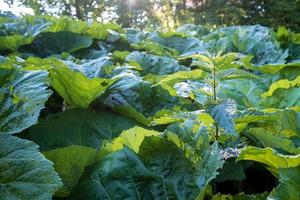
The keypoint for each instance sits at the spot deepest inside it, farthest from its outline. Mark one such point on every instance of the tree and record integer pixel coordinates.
(170, 14)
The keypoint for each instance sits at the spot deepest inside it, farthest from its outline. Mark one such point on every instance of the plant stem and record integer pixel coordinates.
(215, 97)
(214, 84)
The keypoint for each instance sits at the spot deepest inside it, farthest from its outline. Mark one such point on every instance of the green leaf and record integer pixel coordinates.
(223, 114)
(283, 98)
(154, 48)
(70, 163)
(102, 67)
(159, 171)
(289, 187)
(136, 98)
(279, 122)
(218, 62)
(168, 117)
(77, 90)
(245, 92)
(233, 73)
(253, 115)
(271, 68)
(131, 138)
(153, 64)
(101, 31)
(195, 144)
(178, 41)
(20, 32)
(64, 23)
(275, 141)
(25, 172)
(287, 122)
(255, 40)
(226, 61)
(77, 127)
(50, 43)
(168, 162)
(120, 56)
(133, 113)
(93, 30)
(208, 166)
(269, 157)
(168, 81)
(282, 84)
(193, 30)
(181, 76)
(119, 175)
(22, 97)
(13, 42)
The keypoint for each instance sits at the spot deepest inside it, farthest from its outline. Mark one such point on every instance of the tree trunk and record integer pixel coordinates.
(78, 11)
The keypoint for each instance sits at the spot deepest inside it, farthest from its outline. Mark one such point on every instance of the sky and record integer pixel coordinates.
(16, 8)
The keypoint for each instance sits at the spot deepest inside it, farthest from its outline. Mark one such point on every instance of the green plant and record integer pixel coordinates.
(219, 68)
(93, 111)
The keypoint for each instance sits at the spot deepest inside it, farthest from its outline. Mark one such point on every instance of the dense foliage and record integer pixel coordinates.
(94, 111)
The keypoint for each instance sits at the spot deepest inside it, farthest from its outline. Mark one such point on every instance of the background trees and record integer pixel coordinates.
(173, 13)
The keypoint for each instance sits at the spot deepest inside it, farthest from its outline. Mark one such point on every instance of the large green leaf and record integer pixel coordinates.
(269, 157)
(77, 89)
(223, 114)
(246, 92)
(168, 117)
(271, 68)
(65, 23)
(77, 127)
(159, 171)
(215, 63)
(51, 43)
(131, 138)
(179, 177)
(184, 45)
(283, 98)
(234, 73)
(154, 48)
(20, 32)
(96, 68)
(133, 113)
(282, 84)
(193, 30)
(101, 31)
(120, 175)
(25, 172)
(195, 144)
(276, 141)
(168, 81)
(22, 97)
(289, 187)
(70, 163)
(253, 115)
(255, 40)
(155, 64)
(273, 128)
(132, 95)
(181, 76)
(280, 122)
(94, 30)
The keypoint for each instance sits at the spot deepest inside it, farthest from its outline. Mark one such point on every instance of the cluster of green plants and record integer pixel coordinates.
(94, 111)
